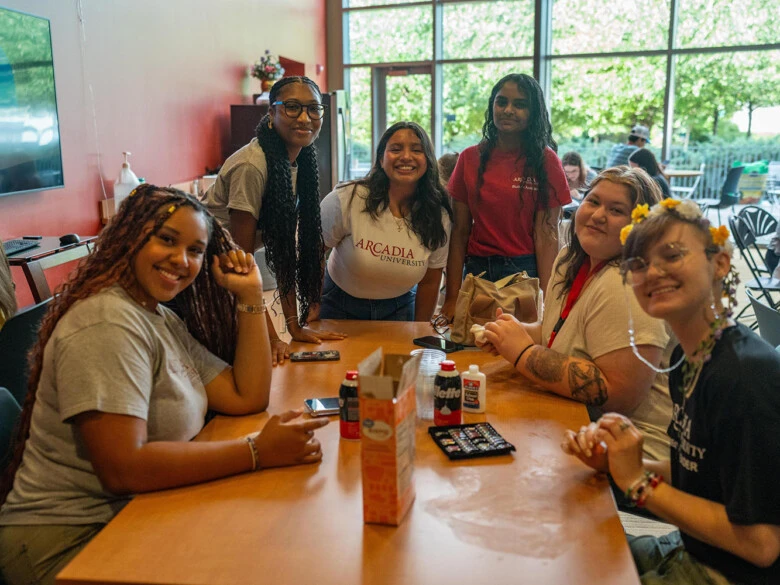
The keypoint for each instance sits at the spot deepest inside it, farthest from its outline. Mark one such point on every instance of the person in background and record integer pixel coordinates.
(508, 191)
(446, 165)
(7, 289)
(645, 160)
(720, 486)
(578, 174)
(118, 386)
(638, 138)
(773, 250)
(267, 193)
(388, 234)
(580, 349)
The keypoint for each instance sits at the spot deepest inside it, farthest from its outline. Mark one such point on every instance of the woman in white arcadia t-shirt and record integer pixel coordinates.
(389, 234)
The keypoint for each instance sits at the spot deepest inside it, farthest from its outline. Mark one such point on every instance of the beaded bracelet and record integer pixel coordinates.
(253, 450)
(641, 489)
(255, 309)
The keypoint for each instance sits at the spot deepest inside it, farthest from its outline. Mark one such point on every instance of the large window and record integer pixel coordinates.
(694, 71)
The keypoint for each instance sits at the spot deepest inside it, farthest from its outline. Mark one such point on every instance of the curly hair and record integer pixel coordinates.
(429, 198)
(7, 294)
(301, 265)
(641, 190)
(207, 309)
(535, 138)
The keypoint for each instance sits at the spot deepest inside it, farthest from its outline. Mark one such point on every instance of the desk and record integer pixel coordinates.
(538, 516)
(47, 255)
(681, 173)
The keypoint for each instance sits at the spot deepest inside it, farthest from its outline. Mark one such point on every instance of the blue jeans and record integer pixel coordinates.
(664, 561)
(337, 304)
(497, 267)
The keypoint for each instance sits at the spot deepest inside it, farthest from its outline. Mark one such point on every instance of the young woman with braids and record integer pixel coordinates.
(388, 233)
(507, 192)
(268, 191)
(580, 348)
(720, 484)
(118, 386)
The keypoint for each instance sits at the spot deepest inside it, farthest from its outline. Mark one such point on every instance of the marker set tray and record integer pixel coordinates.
(470, 441)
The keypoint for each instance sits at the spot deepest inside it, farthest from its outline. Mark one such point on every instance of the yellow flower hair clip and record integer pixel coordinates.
(624, 233)
(639, 213)
(669, 203)
(720, 235)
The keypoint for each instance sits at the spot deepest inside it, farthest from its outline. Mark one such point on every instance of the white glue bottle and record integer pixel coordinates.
(474, 390)
(125, 183)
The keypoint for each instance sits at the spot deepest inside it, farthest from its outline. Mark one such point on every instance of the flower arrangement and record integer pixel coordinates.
(267, 67)
(685, 209)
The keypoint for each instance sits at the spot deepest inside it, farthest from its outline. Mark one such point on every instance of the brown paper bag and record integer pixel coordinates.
(516, 294)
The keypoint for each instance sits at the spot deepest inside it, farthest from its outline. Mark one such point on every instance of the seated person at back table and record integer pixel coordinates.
(645, 160)
(638, 138)
(7, 289)
(578, 174)
(388, 234)
(119, 387)
(586, 354)
(446, 164)
(720, 486)
(270, 188)
(507, 191)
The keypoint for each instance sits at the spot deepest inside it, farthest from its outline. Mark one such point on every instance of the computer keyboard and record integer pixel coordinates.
(14, 246)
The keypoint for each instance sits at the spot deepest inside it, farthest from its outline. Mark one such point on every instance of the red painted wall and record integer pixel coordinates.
(155, 77)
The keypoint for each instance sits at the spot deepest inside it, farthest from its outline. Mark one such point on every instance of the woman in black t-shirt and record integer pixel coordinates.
(720, 487)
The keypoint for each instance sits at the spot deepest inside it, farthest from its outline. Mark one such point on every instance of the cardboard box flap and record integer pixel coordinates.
(382, 377)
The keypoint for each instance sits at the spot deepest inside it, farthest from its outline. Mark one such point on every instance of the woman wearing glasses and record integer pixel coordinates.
(720, 486)
(268, 191)
(580, 349)
(388, 233)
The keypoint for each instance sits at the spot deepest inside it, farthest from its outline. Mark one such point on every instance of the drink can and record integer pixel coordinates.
(349, 407)
(447, 396)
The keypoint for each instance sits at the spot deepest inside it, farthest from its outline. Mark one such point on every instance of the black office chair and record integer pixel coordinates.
(16, 338)
(729, 194)
(9, 416)
(768, 320)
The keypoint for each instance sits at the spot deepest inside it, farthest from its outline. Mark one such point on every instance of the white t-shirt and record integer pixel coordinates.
(374, 259)
(598, 325)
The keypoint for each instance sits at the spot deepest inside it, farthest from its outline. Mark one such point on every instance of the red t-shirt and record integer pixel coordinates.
(503, 221)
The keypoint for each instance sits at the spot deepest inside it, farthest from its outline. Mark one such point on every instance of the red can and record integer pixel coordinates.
(349, 407)
(447, 396)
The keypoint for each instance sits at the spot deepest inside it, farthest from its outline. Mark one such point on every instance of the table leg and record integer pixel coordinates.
(37, 281)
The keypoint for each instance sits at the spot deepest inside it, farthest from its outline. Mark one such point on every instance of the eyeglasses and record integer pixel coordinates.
(440, 324)
(293, 109)
(670, 257)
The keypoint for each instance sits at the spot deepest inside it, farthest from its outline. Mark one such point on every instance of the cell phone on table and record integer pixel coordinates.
(433, 342)
(330, 355)
(322, 406)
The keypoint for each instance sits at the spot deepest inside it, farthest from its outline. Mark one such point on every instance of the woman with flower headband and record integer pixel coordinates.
(720, 486)
(580, 349)
(267, 194)
(119, 385)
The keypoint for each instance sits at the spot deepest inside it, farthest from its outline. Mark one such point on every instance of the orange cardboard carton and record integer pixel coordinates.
(387, 427)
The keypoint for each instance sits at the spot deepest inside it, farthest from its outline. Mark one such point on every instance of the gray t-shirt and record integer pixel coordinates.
(107, 354)
(240, 185)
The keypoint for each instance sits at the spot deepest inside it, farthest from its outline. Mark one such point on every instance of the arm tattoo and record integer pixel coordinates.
(548, 366)
(586, 384)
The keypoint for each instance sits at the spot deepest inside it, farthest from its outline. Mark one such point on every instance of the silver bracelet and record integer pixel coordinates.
(251, 308)
(253, 450)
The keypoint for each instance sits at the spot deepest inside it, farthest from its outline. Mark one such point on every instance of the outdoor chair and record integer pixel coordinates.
(773, 182)
(762, 280)
(688, 192)
(768, 320)
(729, 194)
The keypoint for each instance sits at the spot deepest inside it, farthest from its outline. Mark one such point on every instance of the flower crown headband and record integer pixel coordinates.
(685, 209)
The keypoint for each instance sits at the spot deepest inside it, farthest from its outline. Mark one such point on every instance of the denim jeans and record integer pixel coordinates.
(664, 561)
(337, 304)
(497, 267)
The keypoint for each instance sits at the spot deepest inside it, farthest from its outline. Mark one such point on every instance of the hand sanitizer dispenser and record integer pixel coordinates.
(125, 183)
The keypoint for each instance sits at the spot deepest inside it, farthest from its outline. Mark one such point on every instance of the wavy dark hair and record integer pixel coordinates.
(642, 189)
(645, 160)
(535, 138)
(207, 308)
(429, 198)
(298, 265)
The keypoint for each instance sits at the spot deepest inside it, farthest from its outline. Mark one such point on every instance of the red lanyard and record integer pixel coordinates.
(574, 294)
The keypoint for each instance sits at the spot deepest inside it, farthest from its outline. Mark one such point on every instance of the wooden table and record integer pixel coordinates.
(682, 173)
(535, 517)
(48, 254)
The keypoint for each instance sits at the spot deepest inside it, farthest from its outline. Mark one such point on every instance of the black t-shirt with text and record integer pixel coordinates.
(726, 443)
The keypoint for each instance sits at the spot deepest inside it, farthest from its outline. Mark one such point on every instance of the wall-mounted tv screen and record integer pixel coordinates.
(30, 153)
